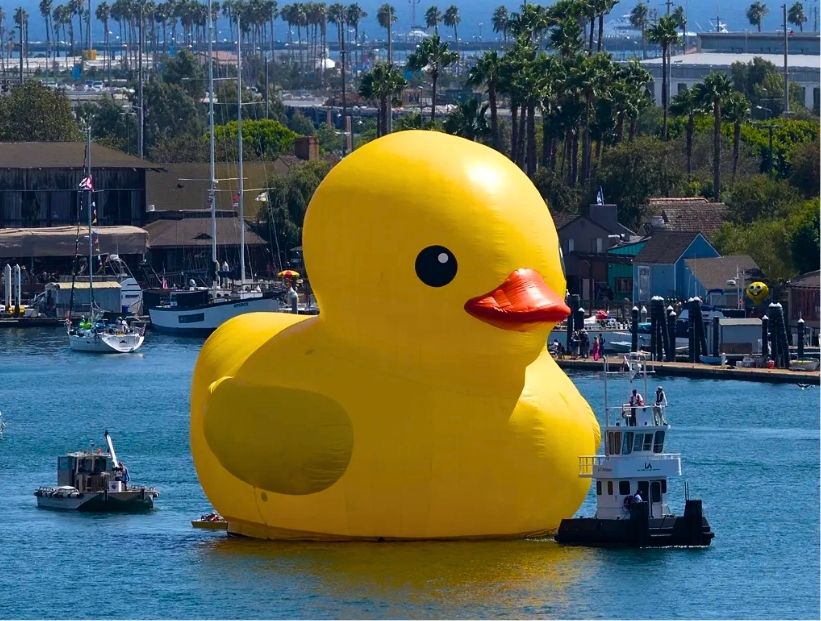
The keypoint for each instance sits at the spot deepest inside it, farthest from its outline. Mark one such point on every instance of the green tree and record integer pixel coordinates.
(386, 16)
(680, 18)
(500, 22)
(713, 92)
(433, 56)
(804, 167)
(169, 110)
(737, 111)
(486, 72)
(382, 85)
(756, 12)
(109, 125)
(30, 112)
(185, 71)
(796, 16)
(639, 18)
(452, 20)
(432, 18)
(802, 236)
(468, 119)
(288, 198)
(665, 33)
(263, 139)
(687, 104)
(766, 241)
(761, 197)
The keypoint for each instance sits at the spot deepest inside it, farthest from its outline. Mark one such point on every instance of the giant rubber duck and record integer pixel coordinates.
(421, 402)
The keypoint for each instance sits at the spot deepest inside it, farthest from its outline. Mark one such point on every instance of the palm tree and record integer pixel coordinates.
(45, 12)
(433, 55)
(604, 7)
(688, 104)
(736, 110)
(386, 16)
(353, 15)
(756, 13)
(665, 33)
(451, 19)
(382, 85)
(432, 18)
(21, 18)
(2, 40)
(713, 92)
(468, 119)
(796, 16)
(487, 71)
(500, 22)
(336, 15)
(638, 19)
(103, 14)
(680, 16)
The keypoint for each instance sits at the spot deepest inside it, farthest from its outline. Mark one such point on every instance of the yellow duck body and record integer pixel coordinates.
(421, 402)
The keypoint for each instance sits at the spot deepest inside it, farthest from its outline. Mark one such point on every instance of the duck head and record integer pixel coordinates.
(424, 242)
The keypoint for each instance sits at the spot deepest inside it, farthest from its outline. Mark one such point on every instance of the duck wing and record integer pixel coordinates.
(283, 440)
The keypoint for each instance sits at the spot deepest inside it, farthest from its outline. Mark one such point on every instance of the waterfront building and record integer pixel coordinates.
(720, 281)
(804, 301)
(758, 42)
(690, 69)
(692, 213)
(659, 267)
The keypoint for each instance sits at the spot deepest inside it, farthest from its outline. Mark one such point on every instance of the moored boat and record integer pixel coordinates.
(94, 481)
(210, 521)
(631, 479)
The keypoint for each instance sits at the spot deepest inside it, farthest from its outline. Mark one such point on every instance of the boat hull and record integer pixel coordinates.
(639, 531)
(204, 319)
(131, 501)
(100, 343)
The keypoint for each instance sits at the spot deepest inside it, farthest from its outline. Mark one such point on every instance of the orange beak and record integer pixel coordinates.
(521, 302)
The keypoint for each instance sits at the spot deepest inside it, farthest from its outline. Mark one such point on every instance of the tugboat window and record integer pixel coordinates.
(659, 444)
(648, 442)
(655, 488)
(627, 447)
(624, 488)
(617, 442)
(610, 488)
(637, 443)
(598, 488)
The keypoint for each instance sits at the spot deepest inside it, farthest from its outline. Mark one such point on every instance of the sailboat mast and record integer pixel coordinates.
(212, 188)
(239, 151)
(88, 191)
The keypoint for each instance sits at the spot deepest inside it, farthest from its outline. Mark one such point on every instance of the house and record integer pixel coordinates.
(803, 300)
(720, 281)
(39, 184)
(684, 214)
(585, 240)
(620, 273)
(180, 243)
(659, 267)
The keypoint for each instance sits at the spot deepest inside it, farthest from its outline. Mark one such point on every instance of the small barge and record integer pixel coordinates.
(94, 481)
(631, 478)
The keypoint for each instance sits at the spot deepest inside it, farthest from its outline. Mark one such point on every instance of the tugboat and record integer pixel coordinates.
(95, 481)
(631, 479)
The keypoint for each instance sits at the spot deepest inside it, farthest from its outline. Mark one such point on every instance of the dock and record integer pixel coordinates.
(707, 371)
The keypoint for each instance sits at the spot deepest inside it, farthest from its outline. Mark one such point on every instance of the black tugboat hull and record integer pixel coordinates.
(639, 531)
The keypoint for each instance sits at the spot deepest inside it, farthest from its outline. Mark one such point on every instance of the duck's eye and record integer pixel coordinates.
(436, 266)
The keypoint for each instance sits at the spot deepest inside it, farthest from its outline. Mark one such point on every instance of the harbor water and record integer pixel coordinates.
(750, 451)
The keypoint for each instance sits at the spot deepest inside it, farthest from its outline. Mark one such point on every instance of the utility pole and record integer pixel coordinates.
(241, 181)
(668, 3)
(141, 141)
(786, 73)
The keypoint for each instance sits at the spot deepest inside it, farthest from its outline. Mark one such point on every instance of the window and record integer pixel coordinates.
(624, 488)
(610, 488)
(598, 488)
(194, 318)
(599, 245)
(658, 446)
(637, 443)
(648, 442)
(624, 285)
(627, 447)
(614, 442)
(571, 245)
(655, 490)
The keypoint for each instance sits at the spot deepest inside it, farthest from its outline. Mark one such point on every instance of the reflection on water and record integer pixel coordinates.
(442, 577)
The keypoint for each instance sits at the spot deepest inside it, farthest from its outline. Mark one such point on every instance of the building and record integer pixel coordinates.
(620, 273)
(39, 185)
(721, 281)
(585, 240)
(758, 42)
(694, 213)
(690, 69)
(804, 299)
(659, 267)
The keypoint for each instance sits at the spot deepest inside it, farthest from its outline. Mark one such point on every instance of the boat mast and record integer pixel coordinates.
(212, 188)
(88, 189)
(241, 189)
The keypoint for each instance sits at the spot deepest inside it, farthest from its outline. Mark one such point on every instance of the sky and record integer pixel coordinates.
(476, 12)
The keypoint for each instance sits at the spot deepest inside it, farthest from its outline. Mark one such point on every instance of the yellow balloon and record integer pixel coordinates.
(421, 402)
(757, 291)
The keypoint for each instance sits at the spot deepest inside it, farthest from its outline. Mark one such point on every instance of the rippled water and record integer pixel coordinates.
(751, 451)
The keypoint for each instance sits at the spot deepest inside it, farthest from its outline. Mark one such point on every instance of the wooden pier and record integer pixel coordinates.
(706, 371)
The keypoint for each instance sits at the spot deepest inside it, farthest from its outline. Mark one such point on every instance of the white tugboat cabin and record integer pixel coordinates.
(631, 477)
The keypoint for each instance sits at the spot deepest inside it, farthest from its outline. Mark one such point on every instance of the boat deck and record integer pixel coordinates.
(707, 371)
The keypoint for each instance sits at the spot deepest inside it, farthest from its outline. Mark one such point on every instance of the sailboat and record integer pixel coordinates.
(199, 311)
(95, 334)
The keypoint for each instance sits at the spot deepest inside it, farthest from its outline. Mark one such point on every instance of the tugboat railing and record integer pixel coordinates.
(588, 462)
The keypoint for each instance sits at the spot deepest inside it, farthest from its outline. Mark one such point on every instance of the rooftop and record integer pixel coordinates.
(64, 155)
(196, 231)
(809, 280)
(665, 247)
(688, 214)
(714, 273)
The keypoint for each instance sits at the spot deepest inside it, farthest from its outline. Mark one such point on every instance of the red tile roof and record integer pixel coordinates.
(692, 213)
